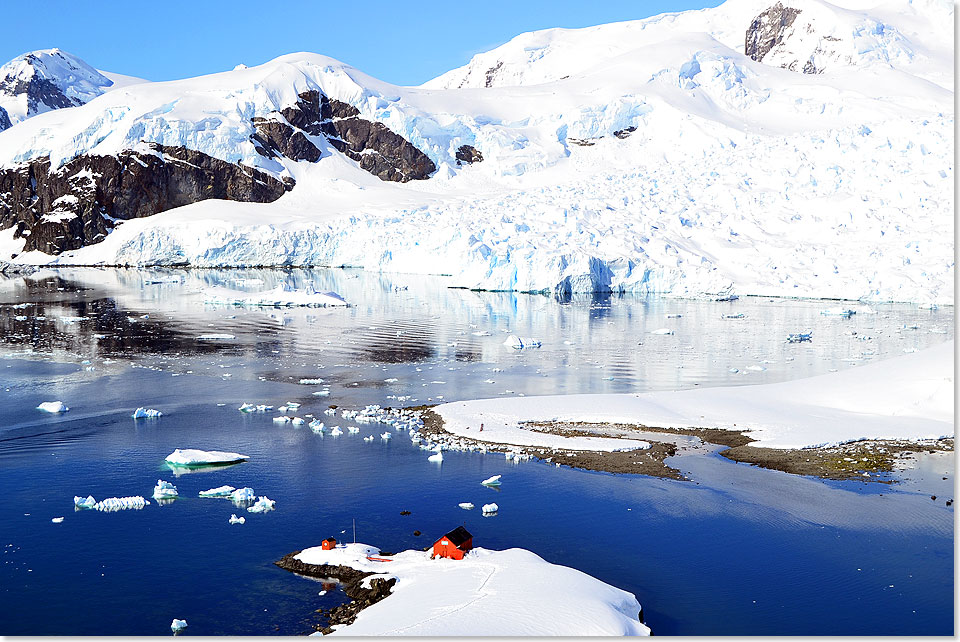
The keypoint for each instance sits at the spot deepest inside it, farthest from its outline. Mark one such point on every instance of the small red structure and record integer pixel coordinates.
(328, 544)
(454, 544)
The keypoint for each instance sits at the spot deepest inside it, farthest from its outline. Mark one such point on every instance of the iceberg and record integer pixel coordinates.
(57, 520)
(219, 491)
(335, 431)
(438, 457)
(53, 407)
(370, 438)
(281, 420)
(799, 337)
(237, 520)
(386, 435)
(263, 505)
(245, 494)
(84, 502)
(112, 504)
(353, 430)
(489, 509)
(280, 297)
(193, 457)
(297, 421)
(492, 481)
(838, 312)
(146, 413)
(465, 505)
(316, 426)
(164, 490)
(215, 336)
(662, 331)
(178, 625)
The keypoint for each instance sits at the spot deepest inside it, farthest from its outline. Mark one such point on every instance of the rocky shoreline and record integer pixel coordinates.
(362, 594)
(867, 461)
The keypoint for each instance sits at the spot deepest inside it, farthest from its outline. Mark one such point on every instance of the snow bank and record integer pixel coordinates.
(908, 397)
(512, 592)
(193, 457)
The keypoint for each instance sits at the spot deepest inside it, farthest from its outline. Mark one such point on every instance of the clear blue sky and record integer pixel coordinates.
(401, 42)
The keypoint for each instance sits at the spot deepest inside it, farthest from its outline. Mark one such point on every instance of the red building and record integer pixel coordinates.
(454, 544)
(328, 544)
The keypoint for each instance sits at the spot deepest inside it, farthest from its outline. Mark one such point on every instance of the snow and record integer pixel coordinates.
(146, 413)
(53, 407)
(740, 176)
(194, 457)
(487, 593)
(906, 397)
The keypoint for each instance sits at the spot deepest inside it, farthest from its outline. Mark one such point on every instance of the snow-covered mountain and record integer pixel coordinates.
(48, 79)
(798, 148)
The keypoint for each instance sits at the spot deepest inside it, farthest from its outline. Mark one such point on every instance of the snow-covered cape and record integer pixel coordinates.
(511, 592)
(659, 156)
(908, 397)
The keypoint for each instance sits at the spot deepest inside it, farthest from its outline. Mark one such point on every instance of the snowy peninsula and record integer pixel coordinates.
(511, 592)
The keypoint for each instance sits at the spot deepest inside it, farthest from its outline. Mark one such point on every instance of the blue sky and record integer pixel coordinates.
(403, 43)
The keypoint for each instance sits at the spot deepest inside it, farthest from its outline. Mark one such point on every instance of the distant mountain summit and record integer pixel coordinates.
(44, 80)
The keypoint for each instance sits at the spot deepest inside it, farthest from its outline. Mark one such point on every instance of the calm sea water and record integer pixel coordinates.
(739, 551)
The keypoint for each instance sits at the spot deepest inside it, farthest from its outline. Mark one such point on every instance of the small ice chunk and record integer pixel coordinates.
(56, 520)
(311, 382)
(263, 505)
(513, 341)
(281, 420)
(386, 435)
(490, 509)
(438, 457)
(194, 457)
(219, 491)
(335, 431)
(216, 336)
(164, 489)
(316, 425)
(492, 481)
(237, 520)
(330, 412)
(293, 405)
(662, 331)
(111, 504)
(53, 406)
(178, 625)
(297, 421)
(84, 502)
(465, 505)
(391, 380)
(146, 413)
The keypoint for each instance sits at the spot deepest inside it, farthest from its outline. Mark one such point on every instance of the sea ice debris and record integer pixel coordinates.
(56, 520)
(53, 406)
(146, 413)
(438, 457)
(84, 502)
(237, 520)
(219, 491)
(263, 505)
(489, 509)
(465, 505)
(194, 457)
(178, 625)
(164, 489)
(492, 481)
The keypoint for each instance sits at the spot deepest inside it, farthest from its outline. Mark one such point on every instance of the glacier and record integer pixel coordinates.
(651, 156)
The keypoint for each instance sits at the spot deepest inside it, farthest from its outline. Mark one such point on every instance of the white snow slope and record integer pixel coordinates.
(511, 592)
(740, 176)
(908, 397)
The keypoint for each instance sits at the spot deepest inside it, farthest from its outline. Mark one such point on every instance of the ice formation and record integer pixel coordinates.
(262, 505)
(194, 457)
(146, 413)
(53, 407)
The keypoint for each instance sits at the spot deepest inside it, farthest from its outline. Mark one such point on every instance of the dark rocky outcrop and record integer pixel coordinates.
(768, 30)
(376, 148)
(468, 154)
(80, 202)
(4, 119)
(350, 579)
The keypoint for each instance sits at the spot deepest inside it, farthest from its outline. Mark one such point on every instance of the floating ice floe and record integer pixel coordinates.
(353, 430)
(146, 413)
(178, 625)
(489, 509)
(386, 435)
(237, 520)
(215, 336)
(739, 315)
(330, 411)
(335, 431)
(249, 407)
(292, 405)
(311, 382)
(245, 494)
(164, 490)
(838, 312)
(297, 421)
(465, 505)
(57, 520)
(194, 457)
(799, 337)
(84, 502)
(662, 331)
(492, 481)
(515, 342)
(321, 393)
(283, 296)
(438, 457)
(53, 406)
(219, 491)
(112, 504)
(316, 426)
(281, 420)
(263, 505)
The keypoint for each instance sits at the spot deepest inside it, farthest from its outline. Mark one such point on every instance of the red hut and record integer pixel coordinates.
(454, 544)
(328, 544)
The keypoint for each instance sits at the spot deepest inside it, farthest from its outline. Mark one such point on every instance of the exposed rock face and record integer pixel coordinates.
(468, 154)
(79, 203)
(768, 30)
(4, 119)
(378, 150)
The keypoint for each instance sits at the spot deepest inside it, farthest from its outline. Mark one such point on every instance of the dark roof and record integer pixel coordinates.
(458, 536)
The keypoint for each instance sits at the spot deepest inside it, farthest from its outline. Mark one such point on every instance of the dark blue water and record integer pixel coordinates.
(741, 551)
